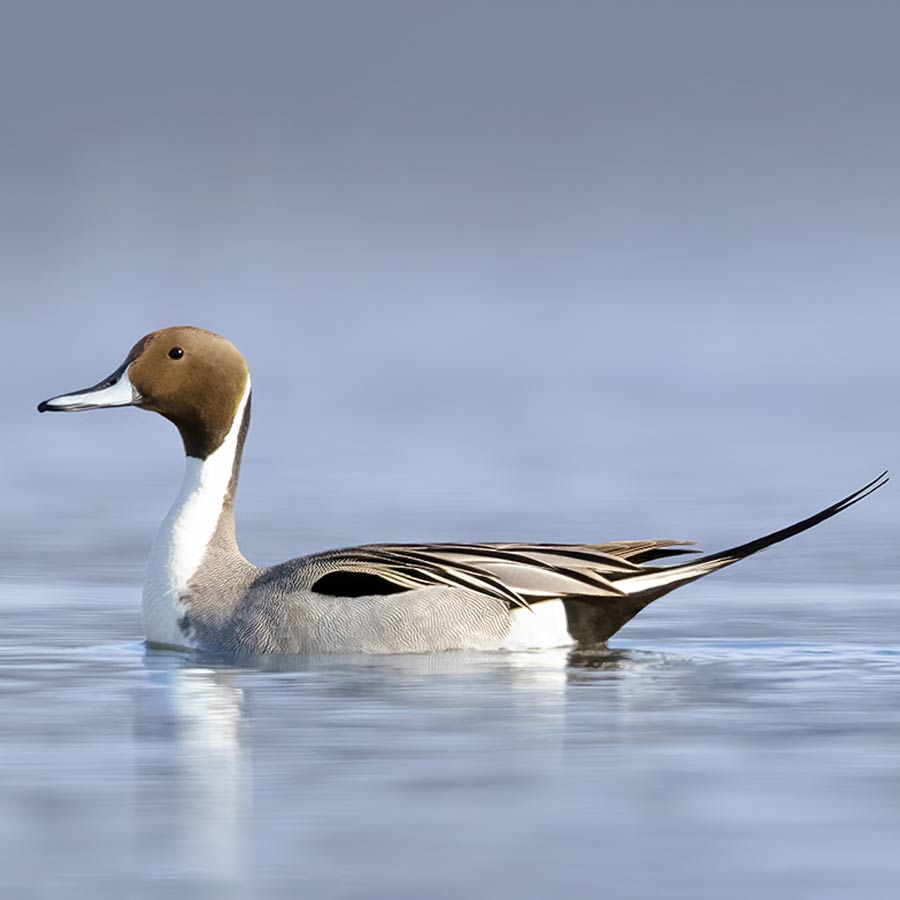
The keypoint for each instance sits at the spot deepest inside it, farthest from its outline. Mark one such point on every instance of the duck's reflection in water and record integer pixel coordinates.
(192, 784)
(333, 728)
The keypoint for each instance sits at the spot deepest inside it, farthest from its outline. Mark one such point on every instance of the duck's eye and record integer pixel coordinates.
(176, 353)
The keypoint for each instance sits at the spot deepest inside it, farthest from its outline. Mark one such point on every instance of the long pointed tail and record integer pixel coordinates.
(662, 579)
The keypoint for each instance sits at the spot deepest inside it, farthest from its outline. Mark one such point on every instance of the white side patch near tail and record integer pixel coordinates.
(545, 626)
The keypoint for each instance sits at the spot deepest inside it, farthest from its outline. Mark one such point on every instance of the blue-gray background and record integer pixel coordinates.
(552, 271)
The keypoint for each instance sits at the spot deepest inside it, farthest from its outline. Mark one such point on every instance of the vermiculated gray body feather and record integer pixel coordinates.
(431, 597)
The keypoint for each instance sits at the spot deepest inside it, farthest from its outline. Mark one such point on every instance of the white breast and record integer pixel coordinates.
(184, 536)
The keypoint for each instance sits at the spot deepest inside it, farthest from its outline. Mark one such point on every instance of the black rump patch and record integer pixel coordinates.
(355, 584)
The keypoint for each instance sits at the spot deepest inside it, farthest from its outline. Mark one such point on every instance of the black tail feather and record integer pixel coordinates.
(593, 623)
(744, 550)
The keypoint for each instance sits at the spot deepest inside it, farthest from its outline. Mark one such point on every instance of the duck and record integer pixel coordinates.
(201, 593)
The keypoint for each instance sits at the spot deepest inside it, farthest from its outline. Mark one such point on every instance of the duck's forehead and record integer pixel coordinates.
(197, 340)
(187, 335)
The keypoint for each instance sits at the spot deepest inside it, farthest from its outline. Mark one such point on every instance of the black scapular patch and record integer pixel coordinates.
(355, 584)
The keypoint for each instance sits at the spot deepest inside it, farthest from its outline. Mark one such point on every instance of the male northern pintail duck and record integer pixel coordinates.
(201, 593)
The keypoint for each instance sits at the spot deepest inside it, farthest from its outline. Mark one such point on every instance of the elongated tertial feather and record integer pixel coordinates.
(523, 574)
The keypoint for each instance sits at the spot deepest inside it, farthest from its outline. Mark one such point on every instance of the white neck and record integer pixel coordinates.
(183, 539)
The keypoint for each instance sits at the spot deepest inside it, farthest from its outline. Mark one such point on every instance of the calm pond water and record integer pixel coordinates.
(684, 762)
(740, 739)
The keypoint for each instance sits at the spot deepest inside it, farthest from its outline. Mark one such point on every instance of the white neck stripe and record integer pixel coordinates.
(184, 536)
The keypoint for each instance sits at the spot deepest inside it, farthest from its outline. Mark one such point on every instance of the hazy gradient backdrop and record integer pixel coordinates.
(493, 265)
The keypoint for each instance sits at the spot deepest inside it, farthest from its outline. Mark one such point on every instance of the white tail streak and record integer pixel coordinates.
(673, 575)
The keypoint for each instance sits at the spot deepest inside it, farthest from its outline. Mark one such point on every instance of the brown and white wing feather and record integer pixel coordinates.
(523, 574)
(517, 574)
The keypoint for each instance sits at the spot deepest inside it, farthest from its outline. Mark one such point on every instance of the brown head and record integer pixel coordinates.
(195, 378)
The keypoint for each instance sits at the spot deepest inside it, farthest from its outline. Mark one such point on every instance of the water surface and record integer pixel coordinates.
(739, 740)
